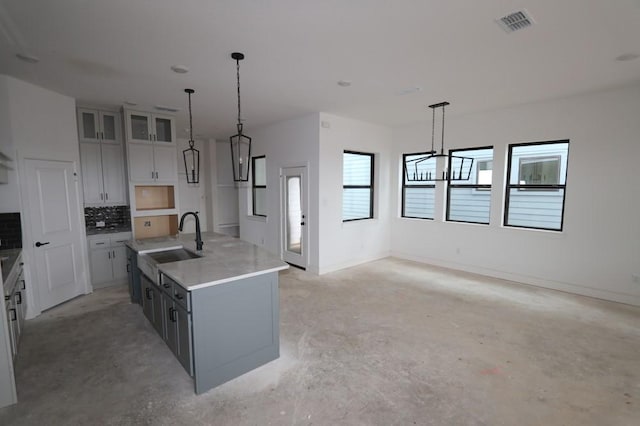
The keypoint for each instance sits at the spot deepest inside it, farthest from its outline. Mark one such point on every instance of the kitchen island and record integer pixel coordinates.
(217, 311)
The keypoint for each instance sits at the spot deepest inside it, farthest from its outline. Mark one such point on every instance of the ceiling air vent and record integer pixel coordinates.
(515, 21)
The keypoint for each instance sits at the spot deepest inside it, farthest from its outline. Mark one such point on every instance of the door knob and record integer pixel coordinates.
(39, 244)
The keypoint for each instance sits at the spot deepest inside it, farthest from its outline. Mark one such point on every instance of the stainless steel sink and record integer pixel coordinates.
(172, 255)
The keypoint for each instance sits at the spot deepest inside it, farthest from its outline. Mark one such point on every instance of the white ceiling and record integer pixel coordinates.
(109, 51)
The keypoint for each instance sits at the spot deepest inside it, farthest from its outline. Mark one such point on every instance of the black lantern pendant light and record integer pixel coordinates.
(240, 143)
(191, 155)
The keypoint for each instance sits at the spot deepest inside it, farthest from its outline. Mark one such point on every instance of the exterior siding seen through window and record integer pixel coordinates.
(357, 185)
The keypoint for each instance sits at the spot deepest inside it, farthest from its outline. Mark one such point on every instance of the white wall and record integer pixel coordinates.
(223, 189)
(9, 195)
(192, 196)
(344, 244)
(43, 126)
(288, 143)
(599, 248)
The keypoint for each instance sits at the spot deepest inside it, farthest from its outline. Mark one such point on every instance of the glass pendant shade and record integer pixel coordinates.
(192, 163)
(240, 155)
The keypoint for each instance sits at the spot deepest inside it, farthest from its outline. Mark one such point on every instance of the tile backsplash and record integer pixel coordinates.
(10, 231)
(115, 217)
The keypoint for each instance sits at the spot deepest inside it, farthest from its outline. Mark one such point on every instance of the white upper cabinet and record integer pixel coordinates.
(99, 126)
(101, 157)
(145, 127)
(151, 147)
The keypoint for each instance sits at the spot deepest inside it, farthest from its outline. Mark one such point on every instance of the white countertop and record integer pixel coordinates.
(224, 259)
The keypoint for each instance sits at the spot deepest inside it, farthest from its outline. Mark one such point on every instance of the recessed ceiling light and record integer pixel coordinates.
(179, 69)
(25, 57)
(344, 83)
(409, 90)
(627, 57)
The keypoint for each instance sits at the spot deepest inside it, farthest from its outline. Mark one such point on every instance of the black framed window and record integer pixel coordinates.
(259, 186)
(536, 185)
(357, 185)
(470, 201)
(418, 198)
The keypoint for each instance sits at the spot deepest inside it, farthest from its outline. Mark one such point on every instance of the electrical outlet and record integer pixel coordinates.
(147, 223)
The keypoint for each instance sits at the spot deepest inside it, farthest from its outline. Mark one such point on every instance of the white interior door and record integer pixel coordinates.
(295, 238)
(55, 229)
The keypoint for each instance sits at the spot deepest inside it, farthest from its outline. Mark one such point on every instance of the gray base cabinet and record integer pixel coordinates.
(218, 332)
(152, 304)
(178, 322)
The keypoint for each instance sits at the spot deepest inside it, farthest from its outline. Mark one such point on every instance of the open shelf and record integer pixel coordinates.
(154, 197)
(155, 226)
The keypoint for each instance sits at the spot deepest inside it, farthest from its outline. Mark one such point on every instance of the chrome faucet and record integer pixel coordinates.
(198, 234)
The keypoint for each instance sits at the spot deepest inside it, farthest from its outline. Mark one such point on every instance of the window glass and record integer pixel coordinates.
(536, 188)
(259, 186)
(470, 200)
(418, 197)
(357, 188)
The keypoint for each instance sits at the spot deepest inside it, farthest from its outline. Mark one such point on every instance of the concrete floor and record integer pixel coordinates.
(390, 342)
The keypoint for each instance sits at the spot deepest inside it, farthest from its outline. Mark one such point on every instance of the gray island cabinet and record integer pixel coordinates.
(218, 313)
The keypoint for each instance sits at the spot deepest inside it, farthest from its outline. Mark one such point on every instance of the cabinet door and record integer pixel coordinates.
(16, 298)
(147, 297)
(113, 174)
(141, 163)
(11, 328)
(110, 129)
(158, 318)
(119, 262)
(88, 125)
(164, 129)
(166, 163)
(91, 166)
(171, 331)
(101, 269)
(138, 126)
(183, 319)
(21, 306)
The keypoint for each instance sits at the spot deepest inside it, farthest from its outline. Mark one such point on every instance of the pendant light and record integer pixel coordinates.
(191, 155)
(456, 167)
(240, 143)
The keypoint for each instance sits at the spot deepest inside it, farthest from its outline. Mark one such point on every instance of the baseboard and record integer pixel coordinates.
(611, 296)
(351, 263)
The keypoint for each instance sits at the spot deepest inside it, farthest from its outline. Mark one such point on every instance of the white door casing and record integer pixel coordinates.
(56, 231)
(294, 226)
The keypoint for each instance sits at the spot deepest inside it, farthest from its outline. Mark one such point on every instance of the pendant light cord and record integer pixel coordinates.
(239, 110)
(442, 145)
(190, 123)
(433, 127)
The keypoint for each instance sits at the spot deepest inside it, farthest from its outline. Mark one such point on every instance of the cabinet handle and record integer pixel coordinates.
(106, 195)
(100, 244)
(101, 197)
(14, 315)
(24, 285)
(172, 317)
(146, 292)
(109, 254)
(19, 296)
(114, 254)
(97, 135)
(165, 285)
(7, 298)
(128, 268)
(179, 296)
(153, 175)
(102, 135)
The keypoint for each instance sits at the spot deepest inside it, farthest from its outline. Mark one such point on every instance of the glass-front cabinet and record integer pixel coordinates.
(99, 126)
(145, 127)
